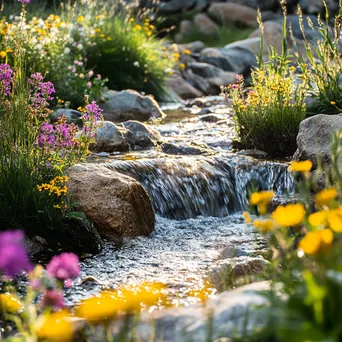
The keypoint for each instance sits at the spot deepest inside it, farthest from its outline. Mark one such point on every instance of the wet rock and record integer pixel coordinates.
(230, 13)
(314, 137)
(277, 200)
(185, 149)
(226, 314)
(117, 204)
(217, 58)
(111, 138)
(236, 271)
(72, 115)
(182, 88)
(142, 136)
(205, 25)
(199, 82)
(129, 105)
(210, 118)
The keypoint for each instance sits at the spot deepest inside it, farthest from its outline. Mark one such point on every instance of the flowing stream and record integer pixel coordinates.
(198, 201)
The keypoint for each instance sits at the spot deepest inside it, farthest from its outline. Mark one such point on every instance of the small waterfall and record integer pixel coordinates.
(187, 187)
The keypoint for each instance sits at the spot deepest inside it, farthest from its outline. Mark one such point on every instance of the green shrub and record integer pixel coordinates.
(268, 114)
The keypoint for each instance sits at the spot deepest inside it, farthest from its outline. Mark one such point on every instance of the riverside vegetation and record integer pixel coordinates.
(305, 237)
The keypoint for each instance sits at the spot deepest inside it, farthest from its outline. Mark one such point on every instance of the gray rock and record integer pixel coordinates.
(72, 115)
(111, 138)
(205, 25)
(175, 6)
(205, 70)
(184, 149)
(316, 6)
(182, 88)
(141, 135)
(314, 137)
(198, 82)
(210, 118)
(231, 13)
(217, 58)
(195, 47)
(269, 5)
(226, 314)
(129, 105)
(241, 58)
(236, 271)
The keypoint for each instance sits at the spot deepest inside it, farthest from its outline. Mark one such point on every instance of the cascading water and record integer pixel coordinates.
(188, 187)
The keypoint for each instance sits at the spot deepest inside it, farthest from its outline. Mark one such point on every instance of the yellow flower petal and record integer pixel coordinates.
(289, 215)
(9, 303)
(264, 225)
(319, 218)
(310, 243)
(301, 166)
(335, 220)
(325, 197)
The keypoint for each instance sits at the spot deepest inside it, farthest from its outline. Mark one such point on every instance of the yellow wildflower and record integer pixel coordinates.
(131, 20)
(102, 35)
(332, 103)
(316, 241)
(9, 303)
(187, 52)
(289, 215)
(97, 30)
(264, 225)
(55, 327)
(80, 19)
(3, 54)
(325, 197)
(335, 220)
(182, 66)
(100, 308)
(301, 166)
(261, 199)
(319, 218)
(9, 50)
(247, 218)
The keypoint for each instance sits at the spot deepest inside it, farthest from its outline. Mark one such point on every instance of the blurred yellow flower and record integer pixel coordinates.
(100, 308)
(289, 215)
(187, 52)
(261, 199)
(247, 218)
(316, 241)
(9, 303)
(54, 327)
(3, 54)
(325, 197)
(80, 19)
(301, 166)
(332, 103)
(335, 220)
(264, 225)
(182, 66)
(319, 218)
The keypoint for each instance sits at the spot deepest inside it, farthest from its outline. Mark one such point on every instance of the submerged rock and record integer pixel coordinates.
(117, 204)
(184, 149)
(238, 270)
(129, 105)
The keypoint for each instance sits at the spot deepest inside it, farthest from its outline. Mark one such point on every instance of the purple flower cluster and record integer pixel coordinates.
(5, 79)
(40, 91)
(93, 111)
(64, 266)
(54, 299)
(60, 136)
(13, 255)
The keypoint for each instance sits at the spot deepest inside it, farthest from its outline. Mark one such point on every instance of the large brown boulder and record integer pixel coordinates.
(118, 205)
